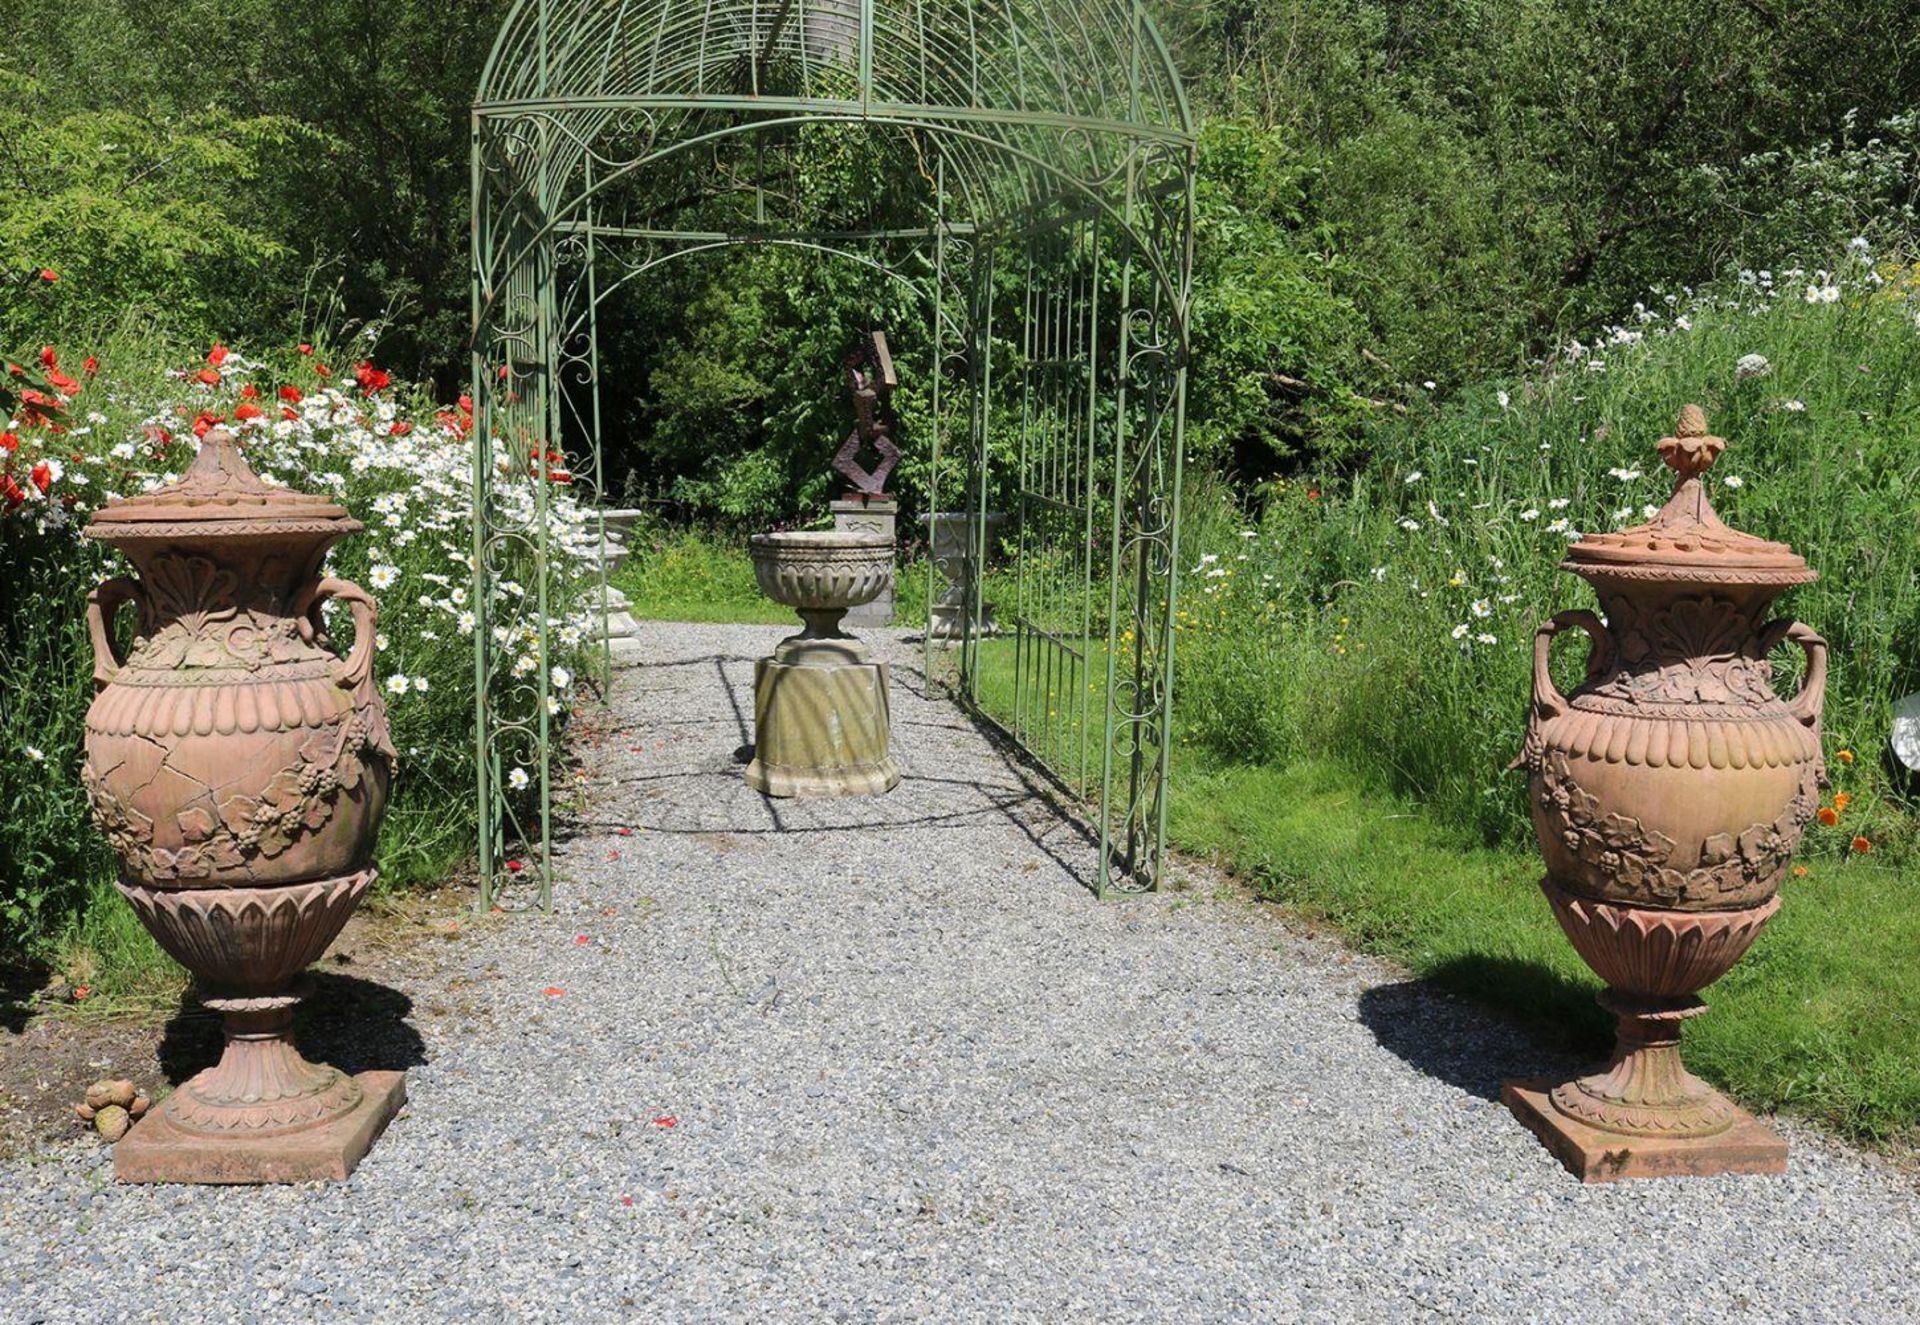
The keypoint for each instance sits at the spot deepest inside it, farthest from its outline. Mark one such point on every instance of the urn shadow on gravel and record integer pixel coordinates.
(1436, 1025)
(353, 1024)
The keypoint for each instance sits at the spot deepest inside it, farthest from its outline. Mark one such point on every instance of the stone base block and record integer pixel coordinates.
(821, 730)
(869, 515)
(1592, 1155)
(157, 1151)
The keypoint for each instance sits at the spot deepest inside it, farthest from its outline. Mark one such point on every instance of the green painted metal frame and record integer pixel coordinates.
(1056, 146)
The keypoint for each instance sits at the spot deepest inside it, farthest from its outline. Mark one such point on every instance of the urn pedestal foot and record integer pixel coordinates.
(821, 723)
(158, 1149)
(1644, 1115)
(1591, 1155)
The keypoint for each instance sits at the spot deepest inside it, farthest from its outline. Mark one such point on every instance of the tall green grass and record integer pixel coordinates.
(1383, 619)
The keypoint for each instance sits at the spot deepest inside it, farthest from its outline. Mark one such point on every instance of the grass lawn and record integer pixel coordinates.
(1821, 1019)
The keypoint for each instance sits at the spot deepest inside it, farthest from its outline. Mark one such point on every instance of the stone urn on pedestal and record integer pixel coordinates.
(950, 534)
(1668, 794)
(821, 721)
(239, 768)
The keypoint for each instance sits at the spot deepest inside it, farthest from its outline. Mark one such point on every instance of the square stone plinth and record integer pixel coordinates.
(157, 1151)
(1592, 1155)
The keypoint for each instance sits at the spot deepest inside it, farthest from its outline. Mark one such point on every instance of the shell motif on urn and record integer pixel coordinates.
(239, 767)
(1668, 793)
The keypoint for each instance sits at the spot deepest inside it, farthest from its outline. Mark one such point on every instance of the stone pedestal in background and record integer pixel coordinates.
(619, 628)
(871, 515)
(948, 533)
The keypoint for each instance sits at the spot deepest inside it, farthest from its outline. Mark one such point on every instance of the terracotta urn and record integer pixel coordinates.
(822, 724)
(239, 768)
(1668, 793)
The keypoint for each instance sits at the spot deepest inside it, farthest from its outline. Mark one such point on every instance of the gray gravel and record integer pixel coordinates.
(916, 1071)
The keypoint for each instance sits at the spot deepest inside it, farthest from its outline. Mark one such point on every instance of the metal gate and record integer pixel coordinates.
(1038, 203)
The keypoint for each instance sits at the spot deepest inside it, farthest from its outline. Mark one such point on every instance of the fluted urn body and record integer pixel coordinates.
(822, 718)
(1669, 790)
(240, 768)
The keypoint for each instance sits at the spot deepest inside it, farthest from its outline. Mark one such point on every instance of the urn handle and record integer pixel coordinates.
(1811, 702)
(357, 670)
(103, 604)
(1548, 702)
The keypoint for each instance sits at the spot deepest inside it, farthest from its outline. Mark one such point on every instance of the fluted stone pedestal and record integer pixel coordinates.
(821, 721)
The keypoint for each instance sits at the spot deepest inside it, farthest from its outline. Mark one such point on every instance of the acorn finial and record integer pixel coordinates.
(1691, 451)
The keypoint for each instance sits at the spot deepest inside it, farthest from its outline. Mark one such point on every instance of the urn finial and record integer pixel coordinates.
(1691, 451)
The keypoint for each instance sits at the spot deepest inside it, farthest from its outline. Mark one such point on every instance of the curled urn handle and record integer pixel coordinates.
(1548, 702)
(1811, 702)
(356, 671)
(103, 604)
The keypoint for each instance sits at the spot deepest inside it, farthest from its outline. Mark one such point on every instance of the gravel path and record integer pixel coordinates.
(888, 1060)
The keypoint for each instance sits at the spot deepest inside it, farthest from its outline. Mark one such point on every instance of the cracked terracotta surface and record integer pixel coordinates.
(240, 768)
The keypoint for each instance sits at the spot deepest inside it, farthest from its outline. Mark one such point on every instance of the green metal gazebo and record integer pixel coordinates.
(1023, 169)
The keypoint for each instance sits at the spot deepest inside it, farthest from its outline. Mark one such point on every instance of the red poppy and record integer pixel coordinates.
(291, 394)
(1861, 845)
(9, 442)
(402, 428)
(305, 348)
(1313, 493)
(81, 993)
(218, 355)
(205, 424)
(248, 410)
(91, 366)
(290, 415)
(43, 477)
(323, 370)
(207, 377)
(249, 392)
(65, 385)
(12, 491)
(49, 275)
(48, 359)
(1829, 816)
(515, 866)
(371, 379)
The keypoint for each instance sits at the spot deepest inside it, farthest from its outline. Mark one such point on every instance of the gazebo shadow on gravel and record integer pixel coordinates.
(1020, 173)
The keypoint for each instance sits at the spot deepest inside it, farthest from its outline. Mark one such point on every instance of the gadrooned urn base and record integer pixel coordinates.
(1644, 1114)
(262, 1113)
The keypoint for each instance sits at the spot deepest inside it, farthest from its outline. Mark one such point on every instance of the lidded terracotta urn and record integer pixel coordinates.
(239, 767)
(1668, 793)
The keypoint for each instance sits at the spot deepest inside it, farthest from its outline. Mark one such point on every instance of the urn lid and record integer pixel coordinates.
(1686, 543)
(219, 496)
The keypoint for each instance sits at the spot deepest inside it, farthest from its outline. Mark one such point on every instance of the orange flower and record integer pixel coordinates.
(1861, 845)
(1842, 799)
(1799, 871)
(1844, 756)
(1829, 816)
